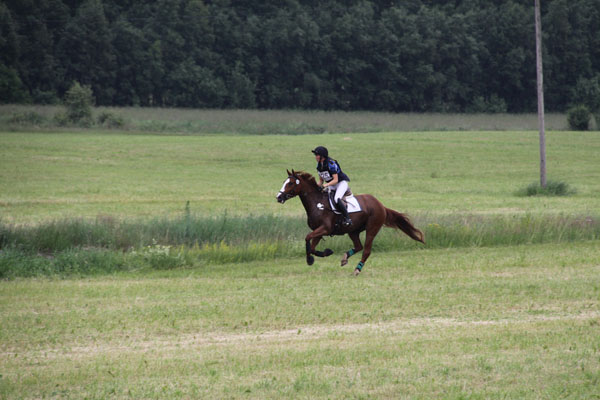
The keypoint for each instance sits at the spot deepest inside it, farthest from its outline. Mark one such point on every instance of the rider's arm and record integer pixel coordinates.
(332, 182)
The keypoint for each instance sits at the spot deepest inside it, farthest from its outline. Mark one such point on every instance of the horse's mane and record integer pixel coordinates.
(307, 177)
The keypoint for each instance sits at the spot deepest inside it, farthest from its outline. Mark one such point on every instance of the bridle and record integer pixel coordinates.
(292, 193)
(288, 195)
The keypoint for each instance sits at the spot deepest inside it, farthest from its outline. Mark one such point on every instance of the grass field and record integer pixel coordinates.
(54, 175)
(509, 322)
(155, 299)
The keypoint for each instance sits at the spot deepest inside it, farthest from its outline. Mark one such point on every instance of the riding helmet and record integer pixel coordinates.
(321, 151)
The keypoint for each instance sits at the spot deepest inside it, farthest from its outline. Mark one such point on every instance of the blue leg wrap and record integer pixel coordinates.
(350, 253)
(360, 266)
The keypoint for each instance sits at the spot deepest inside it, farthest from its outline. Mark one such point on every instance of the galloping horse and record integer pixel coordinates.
(323, 221)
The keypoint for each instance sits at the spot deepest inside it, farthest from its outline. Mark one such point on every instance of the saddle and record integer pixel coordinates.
(349, 200)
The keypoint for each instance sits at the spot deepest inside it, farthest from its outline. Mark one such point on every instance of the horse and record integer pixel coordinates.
(323, 221)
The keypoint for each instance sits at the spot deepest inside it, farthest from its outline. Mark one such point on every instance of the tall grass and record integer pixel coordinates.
(261, 122)
(235, 231)
(104, 245)
(478, 231)
(111, 233)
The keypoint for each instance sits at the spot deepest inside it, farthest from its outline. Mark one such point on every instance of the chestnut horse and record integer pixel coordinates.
(323, 221)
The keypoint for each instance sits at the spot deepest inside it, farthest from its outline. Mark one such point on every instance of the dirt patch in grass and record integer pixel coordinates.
(141, 344)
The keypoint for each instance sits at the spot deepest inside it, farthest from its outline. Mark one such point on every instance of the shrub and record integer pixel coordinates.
(61, 118)
(27, 118)
(493, 104)
(553, 188)
(79, 101)
(110, 120)
(579, 118)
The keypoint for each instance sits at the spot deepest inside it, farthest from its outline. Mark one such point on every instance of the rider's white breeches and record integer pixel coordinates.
(340, 189)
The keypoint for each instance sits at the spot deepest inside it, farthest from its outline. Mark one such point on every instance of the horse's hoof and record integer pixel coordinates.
(328, 252)
(310, 260)
(344, 260)
(356, 271)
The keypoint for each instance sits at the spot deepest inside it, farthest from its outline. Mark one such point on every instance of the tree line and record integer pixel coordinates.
(392, 55)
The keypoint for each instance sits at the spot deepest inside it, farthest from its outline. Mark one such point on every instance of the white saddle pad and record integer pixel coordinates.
(351, 204)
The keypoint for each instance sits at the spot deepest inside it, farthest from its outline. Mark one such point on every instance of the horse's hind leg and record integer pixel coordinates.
(355, 236)
(371, 233)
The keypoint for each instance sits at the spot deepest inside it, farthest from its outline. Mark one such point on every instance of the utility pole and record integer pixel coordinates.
(540, 92)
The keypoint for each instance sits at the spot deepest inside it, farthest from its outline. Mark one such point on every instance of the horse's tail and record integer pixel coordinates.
(394, 219)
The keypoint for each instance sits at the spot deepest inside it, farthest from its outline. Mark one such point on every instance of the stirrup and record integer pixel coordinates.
(347, 221)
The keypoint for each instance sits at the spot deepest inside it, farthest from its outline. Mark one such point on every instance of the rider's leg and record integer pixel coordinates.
(340, 190)
(342, 207)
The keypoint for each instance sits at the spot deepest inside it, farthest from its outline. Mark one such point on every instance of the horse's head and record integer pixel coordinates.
(295, 184)
(291, 187)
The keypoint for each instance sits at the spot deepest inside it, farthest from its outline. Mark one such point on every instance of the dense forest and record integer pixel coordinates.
(392, 55)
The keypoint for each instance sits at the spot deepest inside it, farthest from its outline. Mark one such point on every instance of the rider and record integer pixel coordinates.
(331, 175)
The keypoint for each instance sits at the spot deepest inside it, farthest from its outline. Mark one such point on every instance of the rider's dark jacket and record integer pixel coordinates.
(329, 167)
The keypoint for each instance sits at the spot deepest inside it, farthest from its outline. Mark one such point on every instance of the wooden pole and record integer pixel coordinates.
(540, 92)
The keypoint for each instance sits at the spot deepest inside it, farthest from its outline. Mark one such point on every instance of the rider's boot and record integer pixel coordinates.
(342, 207)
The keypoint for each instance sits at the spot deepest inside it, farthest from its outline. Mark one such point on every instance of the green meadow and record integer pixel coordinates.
(57, 175)
(158, 265)
(490, 323)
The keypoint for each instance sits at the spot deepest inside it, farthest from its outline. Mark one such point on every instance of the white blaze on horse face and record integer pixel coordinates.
(284, 185)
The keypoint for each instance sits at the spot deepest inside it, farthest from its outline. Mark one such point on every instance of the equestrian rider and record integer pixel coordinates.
(331, 175)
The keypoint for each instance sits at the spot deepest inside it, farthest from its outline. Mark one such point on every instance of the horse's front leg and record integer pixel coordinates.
(312, 239)
(314, 243)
